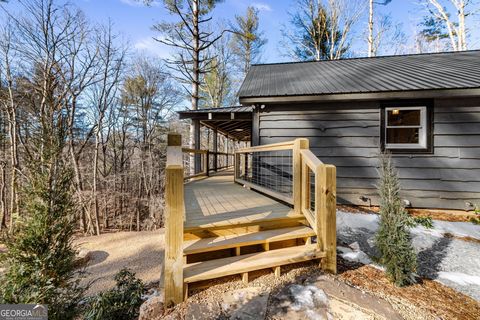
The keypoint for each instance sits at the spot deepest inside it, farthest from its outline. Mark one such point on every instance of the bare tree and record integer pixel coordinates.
(320, 31)
(189, 35)
(373, 40)
(217, 85)
(455, 24)
(10, 108)
(104, 95)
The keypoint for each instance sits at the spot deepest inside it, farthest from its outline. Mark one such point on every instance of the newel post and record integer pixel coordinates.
(174, 216)
(326, 220)
(298, 145)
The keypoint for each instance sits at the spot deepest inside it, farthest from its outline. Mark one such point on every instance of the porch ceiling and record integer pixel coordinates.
(233, 122)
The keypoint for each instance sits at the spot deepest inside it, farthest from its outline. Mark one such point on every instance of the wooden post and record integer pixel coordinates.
(174, 214)
(207, 163)
(215, 149)
(325, 211)
(198, 145)
(298, 145)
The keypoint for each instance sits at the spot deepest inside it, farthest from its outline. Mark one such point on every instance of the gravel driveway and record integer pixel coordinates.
(449, 260)
(142, 252)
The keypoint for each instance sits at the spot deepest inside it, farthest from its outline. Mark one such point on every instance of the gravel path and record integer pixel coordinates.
(142, 252)
(451, 261)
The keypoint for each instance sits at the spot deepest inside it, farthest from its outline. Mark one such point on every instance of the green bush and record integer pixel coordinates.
(122, 302)
(393, 238)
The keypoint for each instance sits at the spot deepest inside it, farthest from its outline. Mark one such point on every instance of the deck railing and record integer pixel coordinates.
(290, 172)
(209, 161)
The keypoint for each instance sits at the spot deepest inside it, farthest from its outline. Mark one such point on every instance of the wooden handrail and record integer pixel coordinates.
(310, 159)
(269, 147)
(199, 151)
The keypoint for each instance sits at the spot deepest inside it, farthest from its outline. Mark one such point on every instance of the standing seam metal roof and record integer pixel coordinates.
(450, 70)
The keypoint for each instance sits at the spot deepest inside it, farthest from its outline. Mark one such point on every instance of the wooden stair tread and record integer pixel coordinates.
(249, 262)
(233, 241)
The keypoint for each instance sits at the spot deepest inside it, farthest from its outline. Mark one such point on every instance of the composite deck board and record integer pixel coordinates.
(217, 201)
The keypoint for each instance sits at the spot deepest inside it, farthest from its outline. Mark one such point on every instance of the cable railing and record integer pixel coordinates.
(290, 172)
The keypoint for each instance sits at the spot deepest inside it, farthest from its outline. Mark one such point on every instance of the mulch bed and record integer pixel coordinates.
(444, 215)
(429, 296)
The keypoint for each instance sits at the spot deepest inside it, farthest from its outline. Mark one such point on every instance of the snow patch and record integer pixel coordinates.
(307, 297)
(354, 255)
(460, 278)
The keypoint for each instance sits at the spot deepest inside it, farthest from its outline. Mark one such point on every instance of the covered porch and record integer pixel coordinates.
(227, 129)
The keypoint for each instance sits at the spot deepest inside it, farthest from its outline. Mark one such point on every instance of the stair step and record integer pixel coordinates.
(212, 269)
(239, 240)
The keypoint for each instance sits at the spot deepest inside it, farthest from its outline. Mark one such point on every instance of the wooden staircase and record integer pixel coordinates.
(205, 253)
(273, 249)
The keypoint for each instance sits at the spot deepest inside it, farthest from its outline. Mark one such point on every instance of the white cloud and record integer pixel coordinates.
(139, 3)
(152, 47)
(260, 6)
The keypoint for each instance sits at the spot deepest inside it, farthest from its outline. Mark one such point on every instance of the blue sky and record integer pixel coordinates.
(134, 21)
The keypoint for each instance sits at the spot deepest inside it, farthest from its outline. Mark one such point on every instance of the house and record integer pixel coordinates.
(423, 108)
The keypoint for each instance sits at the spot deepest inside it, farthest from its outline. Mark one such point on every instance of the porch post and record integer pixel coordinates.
(198, 145)
(215, 149)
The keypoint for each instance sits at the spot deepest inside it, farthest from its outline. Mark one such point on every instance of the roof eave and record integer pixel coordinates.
(411, 94)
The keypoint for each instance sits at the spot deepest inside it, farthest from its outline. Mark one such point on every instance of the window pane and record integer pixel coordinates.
(399, 117)
(403, 135)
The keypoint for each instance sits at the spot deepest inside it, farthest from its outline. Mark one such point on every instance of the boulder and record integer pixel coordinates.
(152, 309)
(301, 302)
(246, 304)
(83, 257)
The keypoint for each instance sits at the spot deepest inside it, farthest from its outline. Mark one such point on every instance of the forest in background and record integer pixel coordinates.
(109, 108)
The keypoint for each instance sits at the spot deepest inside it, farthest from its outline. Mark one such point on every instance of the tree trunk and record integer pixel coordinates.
(95, 173)
(370, 30)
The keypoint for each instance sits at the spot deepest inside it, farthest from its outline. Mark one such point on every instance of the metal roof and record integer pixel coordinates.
(234, 122)
(219, 110)
(451, 70)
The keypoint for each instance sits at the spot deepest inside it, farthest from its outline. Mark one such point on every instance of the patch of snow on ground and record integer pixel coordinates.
(308, 299)
(355, 256)
(451, 261)
(459, 278)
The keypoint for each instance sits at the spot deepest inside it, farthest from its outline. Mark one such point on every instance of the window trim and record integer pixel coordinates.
(425, 144)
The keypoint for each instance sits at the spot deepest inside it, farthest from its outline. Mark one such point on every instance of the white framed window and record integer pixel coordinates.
(405, 127)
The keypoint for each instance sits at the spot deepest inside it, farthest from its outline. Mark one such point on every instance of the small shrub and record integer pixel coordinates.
(393, 238)
(121, 302)
(476, 220)
(426, 222)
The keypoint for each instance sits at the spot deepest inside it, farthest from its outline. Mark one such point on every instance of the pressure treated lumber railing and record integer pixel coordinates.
(290, 172)
(209, 161)
(174, 217)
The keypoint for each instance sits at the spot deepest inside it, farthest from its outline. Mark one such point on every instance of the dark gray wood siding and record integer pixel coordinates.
(348, 136)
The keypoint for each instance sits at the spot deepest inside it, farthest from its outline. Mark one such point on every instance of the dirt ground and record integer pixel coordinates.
(142, 252)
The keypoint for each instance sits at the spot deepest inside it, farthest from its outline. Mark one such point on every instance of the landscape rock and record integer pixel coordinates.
(301, 302)
(354, 246)
(246, 304)
(152, 309)
(83, 257)
(201, 311)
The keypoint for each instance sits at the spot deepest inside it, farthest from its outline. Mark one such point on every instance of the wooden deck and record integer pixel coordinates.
(217, 202)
